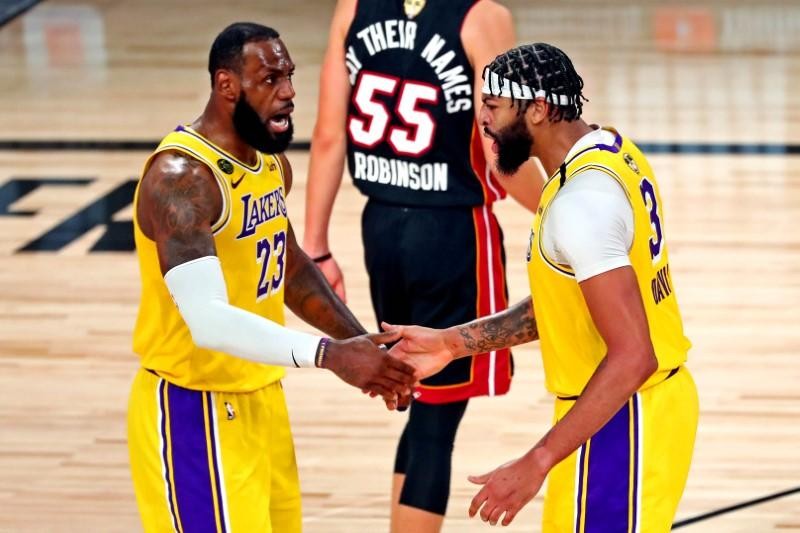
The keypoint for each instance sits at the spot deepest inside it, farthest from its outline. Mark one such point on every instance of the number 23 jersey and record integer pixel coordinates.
(250, 239)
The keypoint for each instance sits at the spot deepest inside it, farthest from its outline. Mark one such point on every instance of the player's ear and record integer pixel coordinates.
(537, 111)
(227, 84)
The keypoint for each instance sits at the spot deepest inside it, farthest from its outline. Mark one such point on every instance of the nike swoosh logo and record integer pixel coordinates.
(236, 183)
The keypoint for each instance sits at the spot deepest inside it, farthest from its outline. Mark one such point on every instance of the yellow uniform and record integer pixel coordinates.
(629, 476)
(209, 437)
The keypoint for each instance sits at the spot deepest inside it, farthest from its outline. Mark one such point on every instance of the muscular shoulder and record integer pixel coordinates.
(486, 16)
(174, 187)
(488, 30)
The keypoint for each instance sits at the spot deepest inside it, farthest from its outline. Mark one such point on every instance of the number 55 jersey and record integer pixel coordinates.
(412, 136)
(432, 246)
(250, 239)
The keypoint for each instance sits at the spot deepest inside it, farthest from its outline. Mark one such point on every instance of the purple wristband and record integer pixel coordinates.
(322, 347)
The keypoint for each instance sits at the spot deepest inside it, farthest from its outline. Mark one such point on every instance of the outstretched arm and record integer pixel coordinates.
(311, 298)
(516, 325)
(308, 294)
(430, 350)
(177, 204)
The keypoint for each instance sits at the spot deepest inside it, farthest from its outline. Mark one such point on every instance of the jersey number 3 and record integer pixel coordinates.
(415, 136)
(657, 239)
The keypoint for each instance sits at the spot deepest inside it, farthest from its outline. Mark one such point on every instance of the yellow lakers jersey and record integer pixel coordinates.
(571, 346)
(250, 238)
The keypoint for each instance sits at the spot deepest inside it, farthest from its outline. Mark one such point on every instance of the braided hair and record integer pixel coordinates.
(543, 67)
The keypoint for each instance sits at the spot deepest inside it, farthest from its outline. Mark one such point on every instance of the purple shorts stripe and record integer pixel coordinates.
(608, 483)
(579, 500)
(165, 452)
(217, 467)
(635, 506)
(187, 425)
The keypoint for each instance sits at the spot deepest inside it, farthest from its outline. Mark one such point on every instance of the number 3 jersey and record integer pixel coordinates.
(250, 239)
(572, 348)
(412, 135)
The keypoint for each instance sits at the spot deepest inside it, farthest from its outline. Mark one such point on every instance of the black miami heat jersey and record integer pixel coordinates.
(411, 130)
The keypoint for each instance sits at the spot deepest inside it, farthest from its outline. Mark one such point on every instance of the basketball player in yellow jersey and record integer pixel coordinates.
(603, 305)
(209, 437)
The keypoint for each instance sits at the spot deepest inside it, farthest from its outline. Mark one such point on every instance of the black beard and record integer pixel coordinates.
(514, 145)
(249, 127)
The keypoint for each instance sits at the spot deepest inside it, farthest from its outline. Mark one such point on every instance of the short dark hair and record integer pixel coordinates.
(226, 52)
(543, 67)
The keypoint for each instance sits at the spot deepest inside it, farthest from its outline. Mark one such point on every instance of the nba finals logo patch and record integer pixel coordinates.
(631, 163)
(225, 166)
(413, 7)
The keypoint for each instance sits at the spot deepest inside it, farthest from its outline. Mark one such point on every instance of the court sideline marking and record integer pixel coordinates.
(732, 508)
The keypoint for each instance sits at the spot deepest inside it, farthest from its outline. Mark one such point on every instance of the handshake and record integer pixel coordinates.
(364, 363)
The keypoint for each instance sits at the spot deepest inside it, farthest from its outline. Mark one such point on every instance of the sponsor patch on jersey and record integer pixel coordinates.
(225, 166)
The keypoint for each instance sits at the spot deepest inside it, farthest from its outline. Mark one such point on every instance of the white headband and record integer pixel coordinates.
(511, 89)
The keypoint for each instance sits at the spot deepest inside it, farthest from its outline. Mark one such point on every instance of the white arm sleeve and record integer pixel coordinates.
(198, 288)
(589, 225)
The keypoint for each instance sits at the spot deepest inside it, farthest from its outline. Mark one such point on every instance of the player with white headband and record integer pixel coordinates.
(603, 306)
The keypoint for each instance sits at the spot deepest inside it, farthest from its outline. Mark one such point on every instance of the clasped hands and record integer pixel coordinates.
(418, 353)
(505, 490)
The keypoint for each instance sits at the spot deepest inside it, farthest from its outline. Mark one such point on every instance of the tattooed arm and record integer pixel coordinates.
(430, 350)
(308, 294)
(178, 202)
(311, 298)
(515, 325)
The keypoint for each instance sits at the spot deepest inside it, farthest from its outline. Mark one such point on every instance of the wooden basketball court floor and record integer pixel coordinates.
(710, 90)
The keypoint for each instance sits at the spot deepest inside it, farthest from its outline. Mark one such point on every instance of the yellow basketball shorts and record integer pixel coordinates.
(210, 461)
(630, 476)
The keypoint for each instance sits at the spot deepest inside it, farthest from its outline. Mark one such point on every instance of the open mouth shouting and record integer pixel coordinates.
(279, 123)
(493, 137)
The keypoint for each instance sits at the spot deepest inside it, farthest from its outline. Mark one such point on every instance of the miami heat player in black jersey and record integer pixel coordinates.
(414, 148)
(411, 125)
(433, 248)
